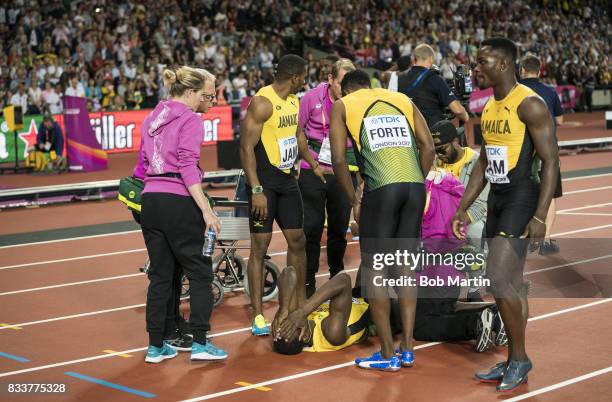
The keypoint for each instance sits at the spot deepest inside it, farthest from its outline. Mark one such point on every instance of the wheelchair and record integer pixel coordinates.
(229, 268)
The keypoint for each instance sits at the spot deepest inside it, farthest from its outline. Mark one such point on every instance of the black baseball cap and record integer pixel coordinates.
(444, 132)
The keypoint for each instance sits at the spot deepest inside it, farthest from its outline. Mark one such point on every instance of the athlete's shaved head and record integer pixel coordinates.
(289, 66)
(504, 46)
(292, 347)
(355, 80)
(496, 60)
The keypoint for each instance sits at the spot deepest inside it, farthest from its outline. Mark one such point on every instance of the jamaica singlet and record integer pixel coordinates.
(357, 325)
(508, 145)
(277, 149)
(381, 127)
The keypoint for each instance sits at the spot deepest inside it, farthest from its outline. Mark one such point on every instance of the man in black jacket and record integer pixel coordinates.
(428, 90)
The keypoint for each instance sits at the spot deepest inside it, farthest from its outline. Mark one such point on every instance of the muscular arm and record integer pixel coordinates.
(260, 110)
(459, 111)
(303, 148)
(337, 142)
(338, 291)
(476, 183)
(478, 210)
(424, 141)
(472, 191)
(534, 113)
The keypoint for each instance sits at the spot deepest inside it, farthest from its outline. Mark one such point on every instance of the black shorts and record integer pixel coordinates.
(284, 204)
(509, 212)
(393, 211)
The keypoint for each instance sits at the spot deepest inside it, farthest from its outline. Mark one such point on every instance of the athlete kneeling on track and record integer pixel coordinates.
(331, 319)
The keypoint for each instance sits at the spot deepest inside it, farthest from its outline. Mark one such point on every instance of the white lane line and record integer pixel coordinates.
(282, 253)
(246, 258)
(10, 373)
(104, 356)
(289, 377)
(584, 207)
(112, 310)
(581, 230)
(588, 177)
(110, 278)
(585, 213)
(587, 190)
(126, 232)
(276, 231)
(71, 239)
(569, 310)
(67, 317)
(84, 257)
(136, 250)
(603, 257)
(337, 366)
(562, 384)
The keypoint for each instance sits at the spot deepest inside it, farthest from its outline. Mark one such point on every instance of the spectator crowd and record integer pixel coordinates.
(112, 52)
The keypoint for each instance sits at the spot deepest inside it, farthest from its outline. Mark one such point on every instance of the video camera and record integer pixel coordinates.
(461, 84)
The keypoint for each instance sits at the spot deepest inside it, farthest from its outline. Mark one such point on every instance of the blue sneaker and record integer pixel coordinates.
(207, 352)
(377, 362)
(515, 375)
(406, 357)
(260, 326)
(157, 355)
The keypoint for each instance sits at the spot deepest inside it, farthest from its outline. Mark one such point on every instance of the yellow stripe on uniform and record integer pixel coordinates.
(9, 326)
(115, 353)
(246, 384)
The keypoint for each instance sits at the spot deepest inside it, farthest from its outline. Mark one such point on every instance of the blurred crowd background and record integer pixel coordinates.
(112, 52)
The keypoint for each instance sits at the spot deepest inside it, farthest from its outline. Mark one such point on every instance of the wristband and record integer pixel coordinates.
(538, 219)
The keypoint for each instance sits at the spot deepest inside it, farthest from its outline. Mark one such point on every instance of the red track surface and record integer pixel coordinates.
(562, 346)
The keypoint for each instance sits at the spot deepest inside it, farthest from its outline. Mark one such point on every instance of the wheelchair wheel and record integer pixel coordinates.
(271, 274)
(218, 292)
(221, 269)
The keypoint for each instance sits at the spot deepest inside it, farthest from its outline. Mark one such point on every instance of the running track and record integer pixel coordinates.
(75, 308)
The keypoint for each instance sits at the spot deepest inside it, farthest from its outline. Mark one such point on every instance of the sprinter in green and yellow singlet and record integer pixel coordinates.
(516, 127)
(394, 152)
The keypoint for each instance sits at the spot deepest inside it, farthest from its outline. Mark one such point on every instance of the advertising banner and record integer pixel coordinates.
(116, 131)
(120, 131)
(85, 154)
(26, 138)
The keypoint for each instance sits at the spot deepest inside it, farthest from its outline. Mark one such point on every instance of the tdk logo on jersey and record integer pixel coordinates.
(385, 119)
(288, 141)
(494, 151)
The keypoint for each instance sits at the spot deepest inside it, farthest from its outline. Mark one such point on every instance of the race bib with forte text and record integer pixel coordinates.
(387, 131)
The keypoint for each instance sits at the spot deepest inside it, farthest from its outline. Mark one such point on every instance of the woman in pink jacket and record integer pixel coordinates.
(175, 214)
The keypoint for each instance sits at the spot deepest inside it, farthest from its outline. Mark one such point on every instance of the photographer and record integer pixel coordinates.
(428, 90)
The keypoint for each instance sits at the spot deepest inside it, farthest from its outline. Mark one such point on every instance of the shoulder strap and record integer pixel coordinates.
(416, 82)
